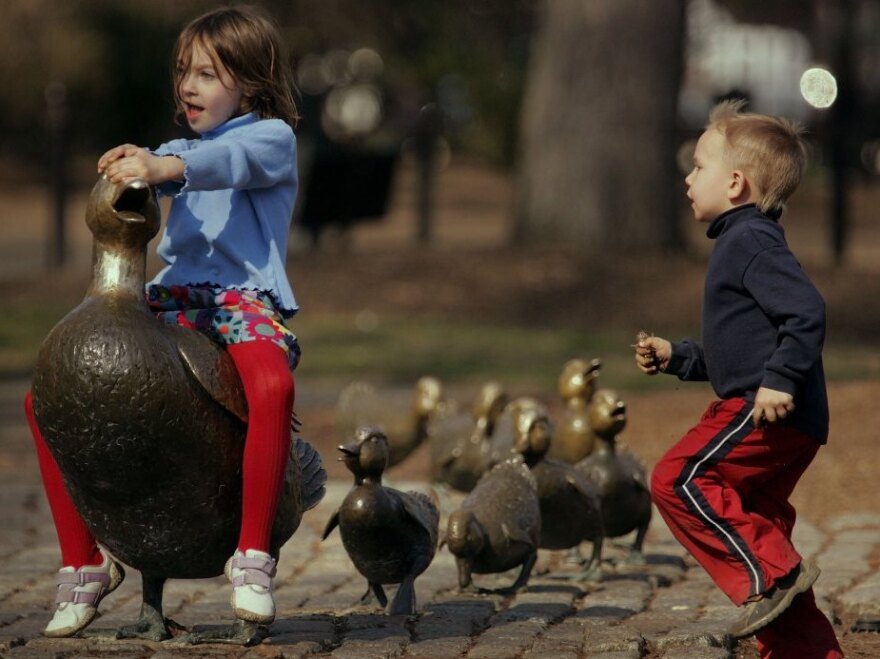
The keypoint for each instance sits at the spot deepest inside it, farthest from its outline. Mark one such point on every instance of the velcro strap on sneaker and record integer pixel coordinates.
(252, 577)
(69, 594)
(81, 578)
(265, 565)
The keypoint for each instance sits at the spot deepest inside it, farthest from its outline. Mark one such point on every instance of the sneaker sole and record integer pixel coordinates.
(810, 572)
(117, 576)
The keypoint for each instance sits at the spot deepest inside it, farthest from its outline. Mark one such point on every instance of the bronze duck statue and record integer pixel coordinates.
(390, 536)
(573, 439)
(460, 441)
(571, 509)
(147, 421)
(498, 526)
(619, 476)
(403, 422)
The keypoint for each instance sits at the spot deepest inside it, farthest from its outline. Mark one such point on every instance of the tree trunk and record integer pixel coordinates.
(597, 162)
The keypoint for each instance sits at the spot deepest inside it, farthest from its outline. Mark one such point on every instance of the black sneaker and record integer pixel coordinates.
(758, 615)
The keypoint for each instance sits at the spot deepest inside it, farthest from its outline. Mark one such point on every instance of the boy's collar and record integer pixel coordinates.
(717, 225)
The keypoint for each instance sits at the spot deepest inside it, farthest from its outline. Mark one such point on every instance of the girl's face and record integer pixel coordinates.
(208, 93)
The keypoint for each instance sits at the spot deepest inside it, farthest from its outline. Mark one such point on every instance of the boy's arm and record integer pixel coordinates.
(684, 358)
(782, 289)
(687, 361)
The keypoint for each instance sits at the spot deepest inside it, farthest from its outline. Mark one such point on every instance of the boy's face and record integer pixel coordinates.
(711, 182)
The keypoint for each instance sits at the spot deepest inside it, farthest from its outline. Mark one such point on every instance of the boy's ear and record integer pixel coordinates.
(738, 186)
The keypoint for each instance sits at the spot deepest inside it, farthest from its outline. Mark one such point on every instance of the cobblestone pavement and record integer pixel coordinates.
(667, 608)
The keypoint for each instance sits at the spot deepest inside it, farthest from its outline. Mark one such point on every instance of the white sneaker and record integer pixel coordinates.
(79, 593)
(251, 575)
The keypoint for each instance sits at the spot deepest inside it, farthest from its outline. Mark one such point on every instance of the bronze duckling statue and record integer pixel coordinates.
(502, 444)
(498, 526)
(404, 423)
(147, 421)
(573, 439)
(619, 476)
(571, 509)
(460, 441)
(390, 536)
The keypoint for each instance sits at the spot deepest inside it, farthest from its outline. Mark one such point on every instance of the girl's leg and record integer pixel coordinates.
(88, 574)
(269, 389)
(77, 545)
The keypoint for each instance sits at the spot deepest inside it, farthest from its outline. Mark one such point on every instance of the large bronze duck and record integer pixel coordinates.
(147, 421)
(498, 526)
(571, 509)
(390, 536)
(460, 441)
(573, 439)
(619, 475)
(404, 423)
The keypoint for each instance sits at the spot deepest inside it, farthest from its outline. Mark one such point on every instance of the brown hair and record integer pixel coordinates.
(770, 150)
(245, 41)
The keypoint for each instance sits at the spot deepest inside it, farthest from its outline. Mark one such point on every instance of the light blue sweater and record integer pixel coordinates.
(230, 218)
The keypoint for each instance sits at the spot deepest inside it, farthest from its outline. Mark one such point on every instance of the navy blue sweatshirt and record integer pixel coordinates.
(763, 321)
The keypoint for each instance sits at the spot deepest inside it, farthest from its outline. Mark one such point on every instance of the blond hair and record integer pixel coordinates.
(770, 150)
(245, 41)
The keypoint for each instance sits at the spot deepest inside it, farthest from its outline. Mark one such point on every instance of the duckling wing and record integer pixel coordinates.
(582, 486)
(212, 368)
(634, 466)
(423, 511)
(448, 434)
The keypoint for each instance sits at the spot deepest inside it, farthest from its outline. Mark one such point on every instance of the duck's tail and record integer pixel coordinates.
(314, 477)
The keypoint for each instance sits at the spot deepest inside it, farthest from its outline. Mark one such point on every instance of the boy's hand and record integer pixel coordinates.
(127, 161)
(771, 406)
(652, 353)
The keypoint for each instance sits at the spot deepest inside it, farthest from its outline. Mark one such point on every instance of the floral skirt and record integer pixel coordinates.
(225, 315)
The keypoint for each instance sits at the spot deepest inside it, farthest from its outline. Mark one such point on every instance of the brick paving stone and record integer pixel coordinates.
(845, 560)
(668, 607)
(853, 520)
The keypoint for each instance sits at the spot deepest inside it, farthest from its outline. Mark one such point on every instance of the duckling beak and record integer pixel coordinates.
(349, 450)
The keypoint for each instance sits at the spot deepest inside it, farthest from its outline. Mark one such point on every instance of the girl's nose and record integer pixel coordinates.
(186, 86)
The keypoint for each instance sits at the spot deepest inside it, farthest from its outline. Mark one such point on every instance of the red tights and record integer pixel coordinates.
(269, 389)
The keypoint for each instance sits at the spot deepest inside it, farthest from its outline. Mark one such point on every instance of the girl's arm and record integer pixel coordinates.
(260, 155)
(127, 161)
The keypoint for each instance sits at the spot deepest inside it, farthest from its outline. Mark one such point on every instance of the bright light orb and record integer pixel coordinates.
(818, 87)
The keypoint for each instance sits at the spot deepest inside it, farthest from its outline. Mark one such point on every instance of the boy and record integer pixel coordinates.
(723, 489)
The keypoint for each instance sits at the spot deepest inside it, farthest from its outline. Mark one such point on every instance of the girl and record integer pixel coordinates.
(224, 248)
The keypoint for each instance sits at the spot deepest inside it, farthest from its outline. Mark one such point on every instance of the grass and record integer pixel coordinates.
(397, 350)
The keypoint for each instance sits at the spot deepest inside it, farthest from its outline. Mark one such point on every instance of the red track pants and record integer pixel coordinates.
(723, 491)
(269, 389)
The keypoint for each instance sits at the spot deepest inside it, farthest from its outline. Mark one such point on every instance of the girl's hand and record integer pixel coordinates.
(652, 353)
(127, 162)
(771, 406)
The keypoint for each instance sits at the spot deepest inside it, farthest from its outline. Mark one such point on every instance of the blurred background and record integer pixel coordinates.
(488, 186)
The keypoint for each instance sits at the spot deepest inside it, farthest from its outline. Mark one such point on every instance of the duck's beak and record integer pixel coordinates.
(351, 450)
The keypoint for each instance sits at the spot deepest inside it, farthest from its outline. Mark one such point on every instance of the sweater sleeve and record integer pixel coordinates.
(787, 296)
(259, 156)
(687, 361)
